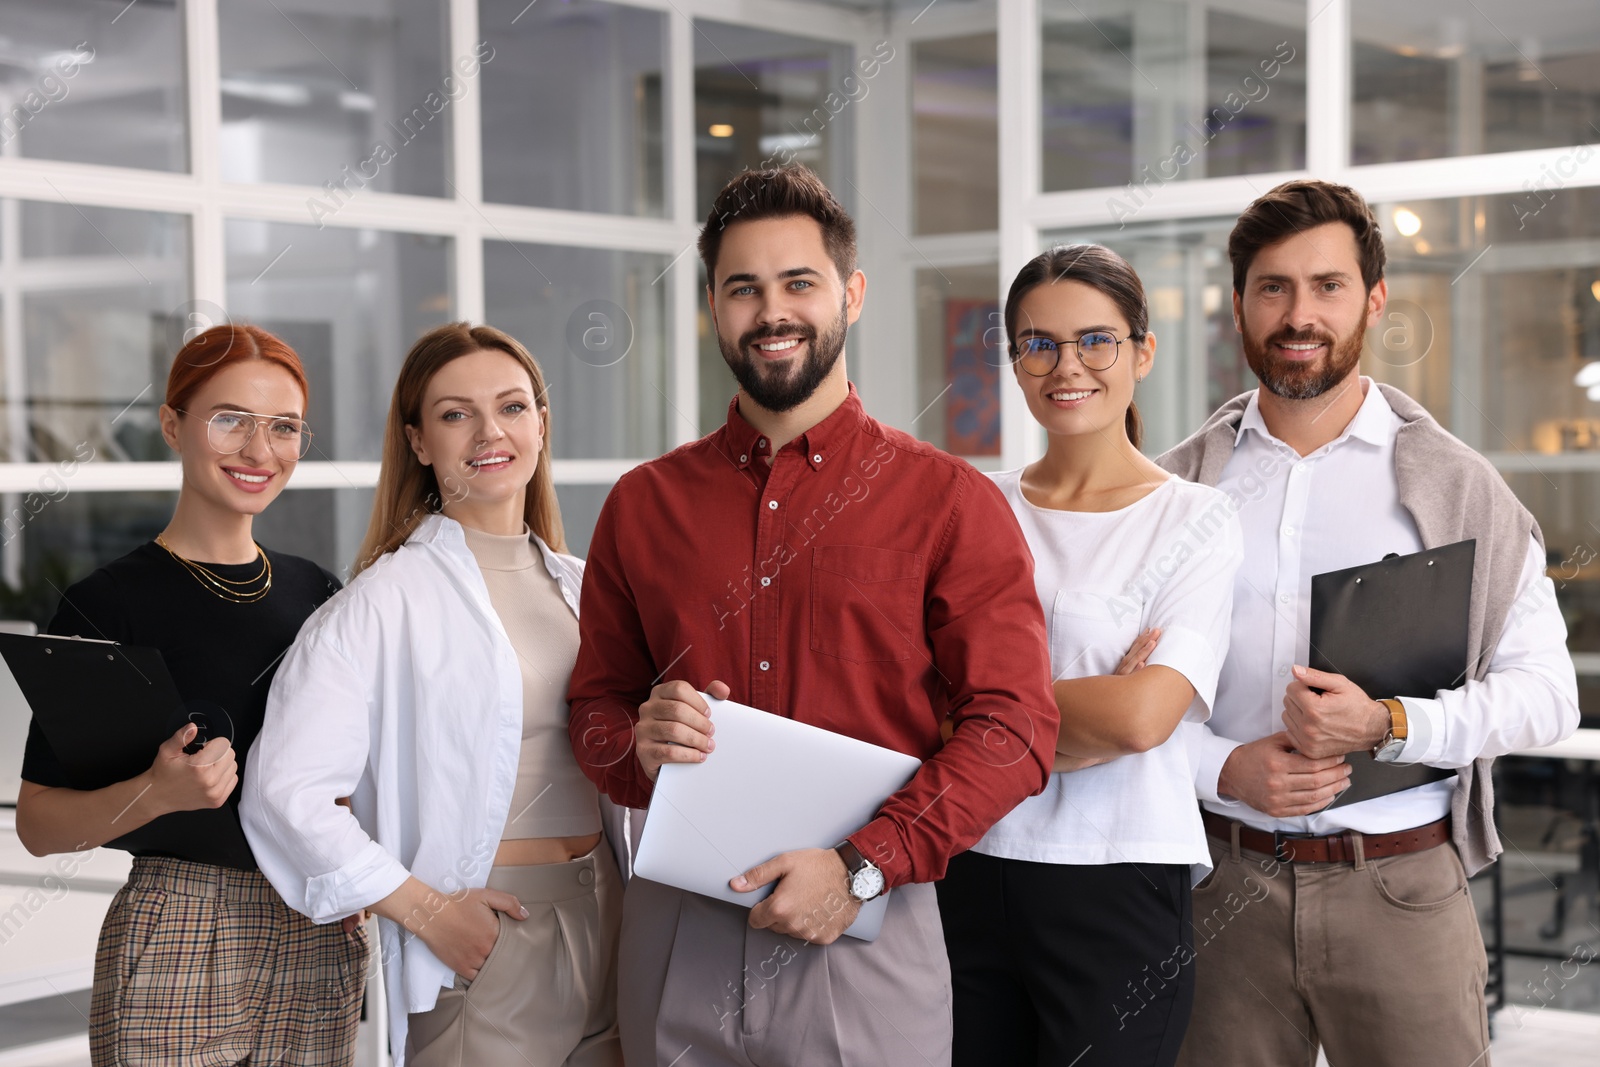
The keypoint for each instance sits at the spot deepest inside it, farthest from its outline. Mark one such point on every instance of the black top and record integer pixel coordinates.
(218, 652)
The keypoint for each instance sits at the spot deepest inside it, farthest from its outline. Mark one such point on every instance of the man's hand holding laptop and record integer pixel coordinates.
(810, 901)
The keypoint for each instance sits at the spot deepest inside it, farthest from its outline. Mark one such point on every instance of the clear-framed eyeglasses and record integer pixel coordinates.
(1039, 355)
(230, 431)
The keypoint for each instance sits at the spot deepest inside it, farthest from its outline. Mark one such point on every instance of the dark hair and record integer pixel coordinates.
(1300, 205)
(1101, 269)
(775, 193)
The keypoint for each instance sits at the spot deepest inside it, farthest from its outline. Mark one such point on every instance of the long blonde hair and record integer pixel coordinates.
(408, 491)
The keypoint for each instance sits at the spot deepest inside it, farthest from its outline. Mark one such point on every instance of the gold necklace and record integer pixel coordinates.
(226, 588)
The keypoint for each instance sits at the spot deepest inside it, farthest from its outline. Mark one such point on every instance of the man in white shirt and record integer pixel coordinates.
(1350, 928)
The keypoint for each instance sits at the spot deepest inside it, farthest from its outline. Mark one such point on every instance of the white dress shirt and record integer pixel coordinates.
(403, 693)
(1165, 561)
(1339, 507)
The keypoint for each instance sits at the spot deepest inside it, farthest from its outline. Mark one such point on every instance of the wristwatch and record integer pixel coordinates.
(862, 877)
(1394, 742)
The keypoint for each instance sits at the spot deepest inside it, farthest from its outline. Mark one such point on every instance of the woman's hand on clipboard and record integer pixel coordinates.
(187, 782)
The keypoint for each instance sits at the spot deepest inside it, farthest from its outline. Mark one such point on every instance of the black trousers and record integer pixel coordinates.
(1068, 965)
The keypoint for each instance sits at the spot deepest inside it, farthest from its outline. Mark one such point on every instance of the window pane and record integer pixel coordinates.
(100, 289)
(1189, 286)
(955, 110)
(764, 99)
(596, 320)
(961, 361)
(1494, 316)
(573, 108)
(580, 507)
(93, 82)
(363, 294)
(1489, 76)
(356, 96)
(1168, 90)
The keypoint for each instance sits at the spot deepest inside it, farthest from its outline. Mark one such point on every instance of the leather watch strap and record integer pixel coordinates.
(1398, 726)
(853, 859)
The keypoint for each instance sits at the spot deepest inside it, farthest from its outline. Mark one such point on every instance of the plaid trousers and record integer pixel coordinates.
(203, 965)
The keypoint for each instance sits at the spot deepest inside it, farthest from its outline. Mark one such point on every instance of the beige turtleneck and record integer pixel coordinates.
(552, 797)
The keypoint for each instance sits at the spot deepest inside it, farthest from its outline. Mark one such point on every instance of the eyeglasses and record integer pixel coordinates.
(1039, 355)
(230, 431)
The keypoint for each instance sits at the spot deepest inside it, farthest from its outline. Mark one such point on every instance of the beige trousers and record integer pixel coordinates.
(1380, 961)
(547, 994)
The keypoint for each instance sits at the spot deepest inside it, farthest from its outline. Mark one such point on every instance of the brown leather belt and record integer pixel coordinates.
(1334, 848)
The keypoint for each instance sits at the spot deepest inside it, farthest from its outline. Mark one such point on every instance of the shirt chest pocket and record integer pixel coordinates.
(1090, 632)
(866, 603)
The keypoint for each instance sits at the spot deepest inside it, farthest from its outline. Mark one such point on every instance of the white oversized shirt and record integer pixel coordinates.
(1336, 508)
(403, 693)
(1165, 561)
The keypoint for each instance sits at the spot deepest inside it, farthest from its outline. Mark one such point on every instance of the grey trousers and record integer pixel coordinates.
(697, 987)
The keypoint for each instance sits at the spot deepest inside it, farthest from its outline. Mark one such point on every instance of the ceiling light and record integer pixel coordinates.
(721, 129)
(1594, 287)
(1407, 222)
(1588, 375)
(1594, 392)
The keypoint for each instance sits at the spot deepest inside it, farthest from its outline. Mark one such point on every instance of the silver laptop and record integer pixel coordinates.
(772, 785)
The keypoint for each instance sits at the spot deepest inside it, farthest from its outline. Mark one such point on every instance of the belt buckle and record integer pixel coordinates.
(1280, 836)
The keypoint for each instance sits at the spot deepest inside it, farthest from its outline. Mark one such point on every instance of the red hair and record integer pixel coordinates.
(211, 350)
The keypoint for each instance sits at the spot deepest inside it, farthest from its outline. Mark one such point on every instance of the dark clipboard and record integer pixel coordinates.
(1397, 627)
(105, 709)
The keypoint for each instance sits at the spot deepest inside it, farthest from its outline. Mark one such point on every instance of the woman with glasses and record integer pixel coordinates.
(200, 961)
(433, 691)
(1068, 924)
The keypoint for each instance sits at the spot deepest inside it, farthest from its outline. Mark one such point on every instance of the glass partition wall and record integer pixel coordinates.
(350, 174)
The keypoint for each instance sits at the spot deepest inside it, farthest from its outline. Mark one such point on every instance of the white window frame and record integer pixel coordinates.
(207, 201)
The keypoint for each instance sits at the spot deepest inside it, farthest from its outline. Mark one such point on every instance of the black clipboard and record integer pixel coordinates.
(105, 708)
(1397, 627)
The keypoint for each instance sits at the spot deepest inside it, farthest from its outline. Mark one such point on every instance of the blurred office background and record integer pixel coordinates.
(349, 172)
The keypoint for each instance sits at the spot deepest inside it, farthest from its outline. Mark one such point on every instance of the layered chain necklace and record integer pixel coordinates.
(245, 591)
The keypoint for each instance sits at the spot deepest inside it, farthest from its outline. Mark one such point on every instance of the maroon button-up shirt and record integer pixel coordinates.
(864, 582)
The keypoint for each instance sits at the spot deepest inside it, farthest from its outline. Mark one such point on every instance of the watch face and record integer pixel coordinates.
(1389, 750)
(866, 883)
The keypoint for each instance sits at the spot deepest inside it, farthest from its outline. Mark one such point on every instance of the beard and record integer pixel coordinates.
(779, 387)
(1303, 380)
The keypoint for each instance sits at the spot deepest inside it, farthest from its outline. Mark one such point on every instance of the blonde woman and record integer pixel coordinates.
(432, 692)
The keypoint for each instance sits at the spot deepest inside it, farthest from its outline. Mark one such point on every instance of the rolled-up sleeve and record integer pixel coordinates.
(312, 750)
(989, 645)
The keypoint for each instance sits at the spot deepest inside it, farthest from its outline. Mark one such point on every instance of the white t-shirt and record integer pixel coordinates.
(1166, 561)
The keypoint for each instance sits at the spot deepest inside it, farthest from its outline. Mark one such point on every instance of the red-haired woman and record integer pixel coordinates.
(200, 961)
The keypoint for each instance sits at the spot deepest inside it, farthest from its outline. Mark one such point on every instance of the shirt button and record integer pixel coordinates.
(766, 581)
(1284, 597)
(744, 459)
(761, 442)
(817, 458)
(772, 505)
(1282, 671)
(1300, 468)
(765, 664)
(1288, 531)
